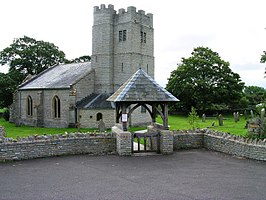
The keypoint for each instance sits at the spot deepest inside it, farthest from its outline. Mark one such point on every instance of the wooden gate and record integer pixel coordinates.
(145, 142)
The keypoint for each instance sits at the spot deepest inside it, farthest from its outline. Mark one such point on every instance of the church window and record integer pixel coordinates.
(122, 35)
(143, 109)
(99, 116)
(29, 106)
(122, 67)
(57, 107)
(147, 68)
(142, 37)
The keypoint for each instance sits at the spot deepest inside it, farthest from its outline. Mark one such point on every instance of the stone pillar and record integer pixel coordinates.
(123, 141)
(166, 142)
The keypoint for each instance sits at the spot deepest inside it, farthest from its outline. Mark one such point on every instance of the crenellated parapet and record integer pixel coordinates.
(132, 15)
(107, 14)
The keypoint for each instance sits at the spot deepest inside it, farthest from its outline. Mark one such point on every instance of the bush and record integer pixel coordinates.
(6, 115)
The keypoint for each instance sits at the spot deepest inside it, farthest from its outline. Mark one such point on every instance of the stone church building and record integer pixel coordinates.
(67, 94)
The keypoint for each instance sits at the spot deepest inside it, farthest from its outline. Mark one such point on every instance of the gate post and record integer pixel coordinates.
(123, 141)
(166, 142)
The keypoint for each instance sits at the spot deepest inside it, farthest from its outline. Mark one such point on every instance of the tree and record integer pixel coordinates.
(263, 60)
(193, 118)
(204, 80)
(80, 59)
(29, 56)
(255, 95)
(7, 87)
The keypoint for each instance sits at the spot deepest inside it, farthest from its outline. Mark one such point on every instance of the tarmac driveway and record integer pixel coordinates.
(192, 174)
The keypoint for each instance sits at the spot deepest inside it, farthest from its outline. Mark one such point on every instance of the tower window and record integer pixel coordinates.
(122, 67)
(122, 35)
(142, 37)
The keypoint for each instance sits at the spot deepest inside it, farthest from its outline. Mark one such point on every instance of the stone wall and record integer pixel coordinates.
(56, 145)
(222, 142)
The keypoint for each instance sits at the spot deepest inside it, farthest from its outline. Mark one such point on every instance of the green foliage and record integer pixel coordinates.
(179, 122)
(29, 56)
(80, 59)
(6, 115)
(254, 95)
(263, 59)
(204, 79)
(7, 87)
(23, 131)
(193, 118)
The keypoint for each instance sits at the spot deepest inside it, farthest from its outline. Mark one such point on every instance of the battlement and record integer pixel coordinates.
(123, 16)
(104, 8)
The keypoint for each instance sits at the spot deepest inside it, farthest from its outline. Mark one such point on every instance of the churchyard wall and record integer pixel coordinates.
(102, 144)
(222, 142)
(56, 145)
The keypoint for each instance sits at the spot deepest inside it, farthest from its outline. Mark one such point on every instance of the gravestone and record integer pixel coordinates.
(237, 116)
(101, 126)
(203, 117)
(252, 114)
(220, 118)
(2, 131)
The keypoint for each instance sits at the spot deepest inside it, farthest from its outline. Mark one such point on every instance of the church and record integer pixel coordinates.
(69, 94)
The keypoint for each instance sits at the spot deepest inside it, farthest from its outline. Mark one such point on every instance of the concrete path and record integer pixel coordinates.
(185, 175)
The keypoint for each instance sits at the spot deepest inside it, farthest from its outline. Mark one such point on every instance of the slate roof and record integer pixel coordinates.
(141, 88)
(96, 101)
(58, 77)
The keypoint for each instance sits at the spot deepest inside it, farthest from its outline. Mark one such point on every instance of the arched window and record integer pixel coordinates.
(29, 106)
(99, 116)
(56, 107)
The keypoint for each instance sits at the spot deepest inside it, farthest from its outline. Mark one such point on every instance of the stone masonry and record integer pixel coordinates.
(222, 142)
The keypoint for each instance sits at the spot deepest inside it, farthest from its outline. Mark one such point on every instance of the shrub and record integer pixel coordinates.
(6, 115)
(193, 118)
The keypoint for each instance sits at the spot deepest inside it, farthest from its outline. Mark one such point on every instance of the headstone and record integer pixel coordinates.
(101, 126)
(220, 118)
(237, 116)
(203, 117)
(252, 114)
(2, 131)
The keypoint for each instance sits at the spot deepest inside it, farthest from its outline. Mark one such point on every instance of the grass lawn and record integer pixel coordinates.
(22, 131)
(176, 122)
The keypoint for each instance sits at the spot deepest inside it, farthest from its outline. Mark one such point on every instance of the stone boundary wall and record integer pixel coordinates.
(56, 145)
(222, 142)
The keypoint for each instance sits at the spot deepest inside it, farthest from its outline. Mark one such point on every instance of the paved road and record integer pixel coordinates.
(193, 174)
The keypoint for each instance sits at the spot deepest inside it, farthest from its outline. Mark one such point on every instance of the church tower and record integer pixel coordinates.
(122, 43)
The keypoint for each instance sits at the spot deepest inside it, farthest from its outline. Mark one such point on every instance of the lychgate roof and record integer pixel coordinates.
(141, 88)
(58, 77)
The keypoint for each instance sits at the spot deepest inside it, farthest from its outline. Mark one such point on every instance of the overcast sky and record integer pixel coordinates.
(233, 28)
